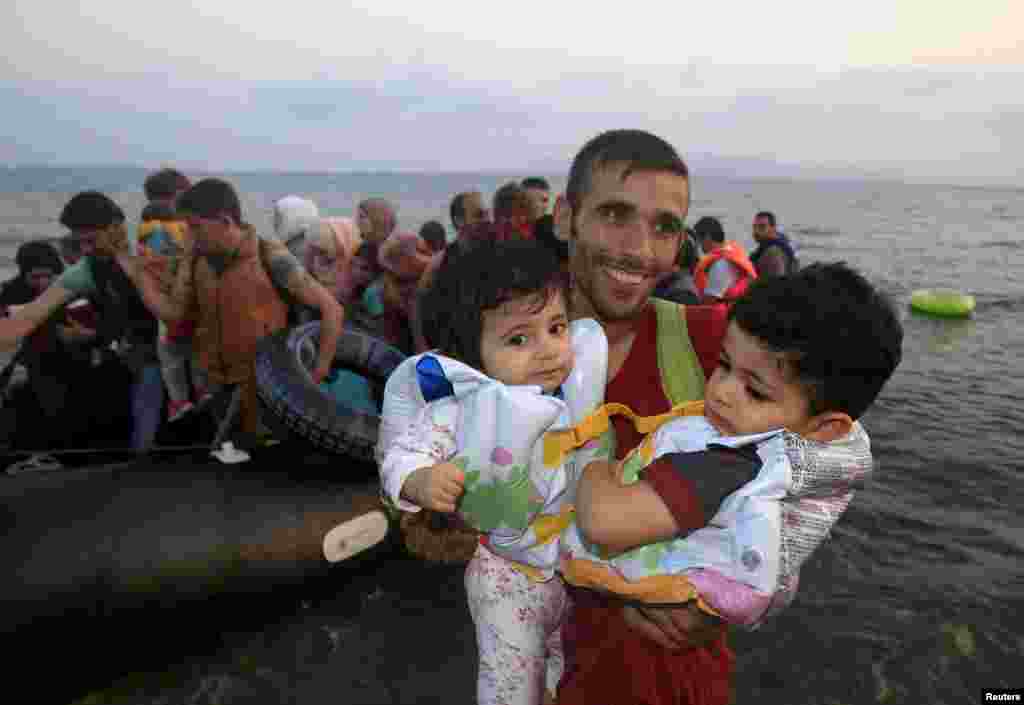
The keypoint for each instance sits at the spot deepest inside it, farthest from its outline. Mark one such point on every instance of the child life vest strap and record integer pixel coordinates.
(682, 377)
(557, 444)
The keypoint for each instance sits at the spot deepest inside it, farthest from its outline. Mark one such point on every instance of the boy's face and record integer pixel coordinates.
(521, 345)
(753, 389)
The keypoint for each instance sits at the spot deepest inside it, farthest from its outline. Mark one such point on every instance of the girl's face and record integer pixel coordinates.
(521, 344)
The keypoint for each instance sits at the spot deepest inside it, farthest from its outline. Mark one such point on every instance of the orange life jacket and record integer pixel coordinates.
(734, 253)
(236, 310)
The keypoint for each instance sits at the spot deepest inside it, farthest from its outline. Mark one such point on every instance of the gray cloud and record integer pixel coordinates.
(941, 125)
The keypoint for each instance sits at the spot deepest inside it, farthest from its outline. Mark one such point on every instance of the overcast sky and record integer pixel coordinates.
(919, 88)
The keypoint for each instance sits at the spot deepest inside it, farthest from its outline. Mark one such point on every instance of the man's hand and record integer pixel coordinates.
(437, 487)
(113, 241)
(321, 372)
(675, 628)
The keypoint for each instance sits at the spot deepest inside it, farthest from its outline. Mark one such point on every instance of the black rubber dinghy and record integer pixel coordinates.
(298, 406)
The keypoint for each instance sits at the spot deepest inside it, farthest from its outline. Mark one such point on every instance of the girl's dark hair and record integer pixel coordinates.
(480, 276)
(841, 336)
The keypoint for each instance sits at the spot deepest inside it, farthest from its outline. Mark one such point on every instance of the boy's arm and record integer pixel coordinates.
(620, 517)
(677, 494)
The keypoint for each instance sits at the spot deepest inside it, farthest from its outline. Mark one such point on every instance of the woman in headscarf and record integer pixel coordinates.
(387, 309)
(57, 356)
(330, 249)
(294, 216)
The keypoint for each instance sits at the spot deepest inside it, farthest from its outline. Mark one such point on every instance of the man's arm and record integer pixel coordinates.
(32, 315)
(169, 307)
(286, 272)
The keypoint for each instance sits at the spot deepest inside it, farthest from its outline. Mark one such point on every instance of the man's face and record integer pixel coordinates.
(763, 229)
(85, 240)
(209, 234)
(39, 279)
(626, 236)
(538, 198)
(474, 211)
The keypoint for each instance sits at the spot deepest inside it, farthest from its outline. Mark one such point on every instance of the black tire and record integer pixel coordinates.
(297, 406)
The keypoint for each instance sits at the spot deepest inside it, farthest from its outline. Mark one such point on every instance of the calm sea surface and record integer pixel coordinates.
(919, 597)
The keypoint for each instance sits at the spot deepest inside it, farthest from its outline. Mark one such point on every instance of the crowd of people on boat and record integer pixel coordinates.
(555, 346)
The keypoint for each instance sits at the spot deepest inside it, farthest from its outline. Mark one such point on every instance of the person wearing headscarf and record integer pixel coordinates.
(330, 248)
(56, 356)
(39, 264)
(294, 216)
(387, 309)
(377, 219)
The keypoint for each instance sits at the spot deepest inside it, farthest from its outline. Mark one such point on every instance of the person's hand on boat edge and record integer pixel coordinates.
(438, 487)
(675, 628)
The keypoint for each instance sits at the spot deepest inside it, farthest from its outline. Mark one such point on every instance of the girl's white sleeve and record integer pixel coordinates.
(429, 439)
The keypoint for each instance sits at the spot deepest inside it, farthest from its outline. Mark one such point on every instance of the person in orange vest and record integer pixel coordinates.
(724, 272)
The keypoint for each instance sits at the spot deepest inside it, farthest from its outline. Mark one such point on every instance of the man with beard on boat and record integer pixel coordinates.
(239, 288)
(97, 225)
(627, 199)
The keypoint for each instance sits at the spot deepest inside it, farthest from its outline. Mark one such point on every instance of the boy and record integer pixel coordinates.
(804, 356)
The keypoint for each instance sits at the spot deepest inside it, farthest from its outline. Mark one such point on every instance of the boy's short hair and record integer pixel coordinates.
(639, 150)
(481, 276)
(90, 209)
(710, 228)
(434, 234)
(158, 211)
(767, 215)
(211, 198)
(842, 337)
(165, 184)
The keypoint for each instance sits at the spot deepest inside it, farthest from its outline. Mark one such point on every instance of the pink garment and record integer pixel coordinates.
(735, 602)
(405, 254)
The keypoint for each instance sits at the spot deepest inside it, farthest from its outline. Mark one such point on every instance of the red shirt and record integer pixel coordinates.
(606, 661)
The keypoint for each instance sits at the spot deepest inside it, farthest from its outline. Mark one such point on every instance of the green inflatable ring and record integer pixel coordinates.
(942, 302)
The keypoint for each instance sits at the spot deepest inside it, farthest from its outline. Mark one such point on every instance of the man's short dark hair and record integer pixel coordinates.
(165, 184)
(457, 209)
(480, 276)
(709, 227)
(841, 336)
(538, 182)
(636, 149)
(433, 233)
(211, 198)
(767, 215)
(510, 201)
(90, 209)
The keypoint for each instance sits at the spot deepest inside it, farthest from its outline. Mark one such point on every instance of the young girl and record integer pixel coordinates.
(462, 432)
(162, 233)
